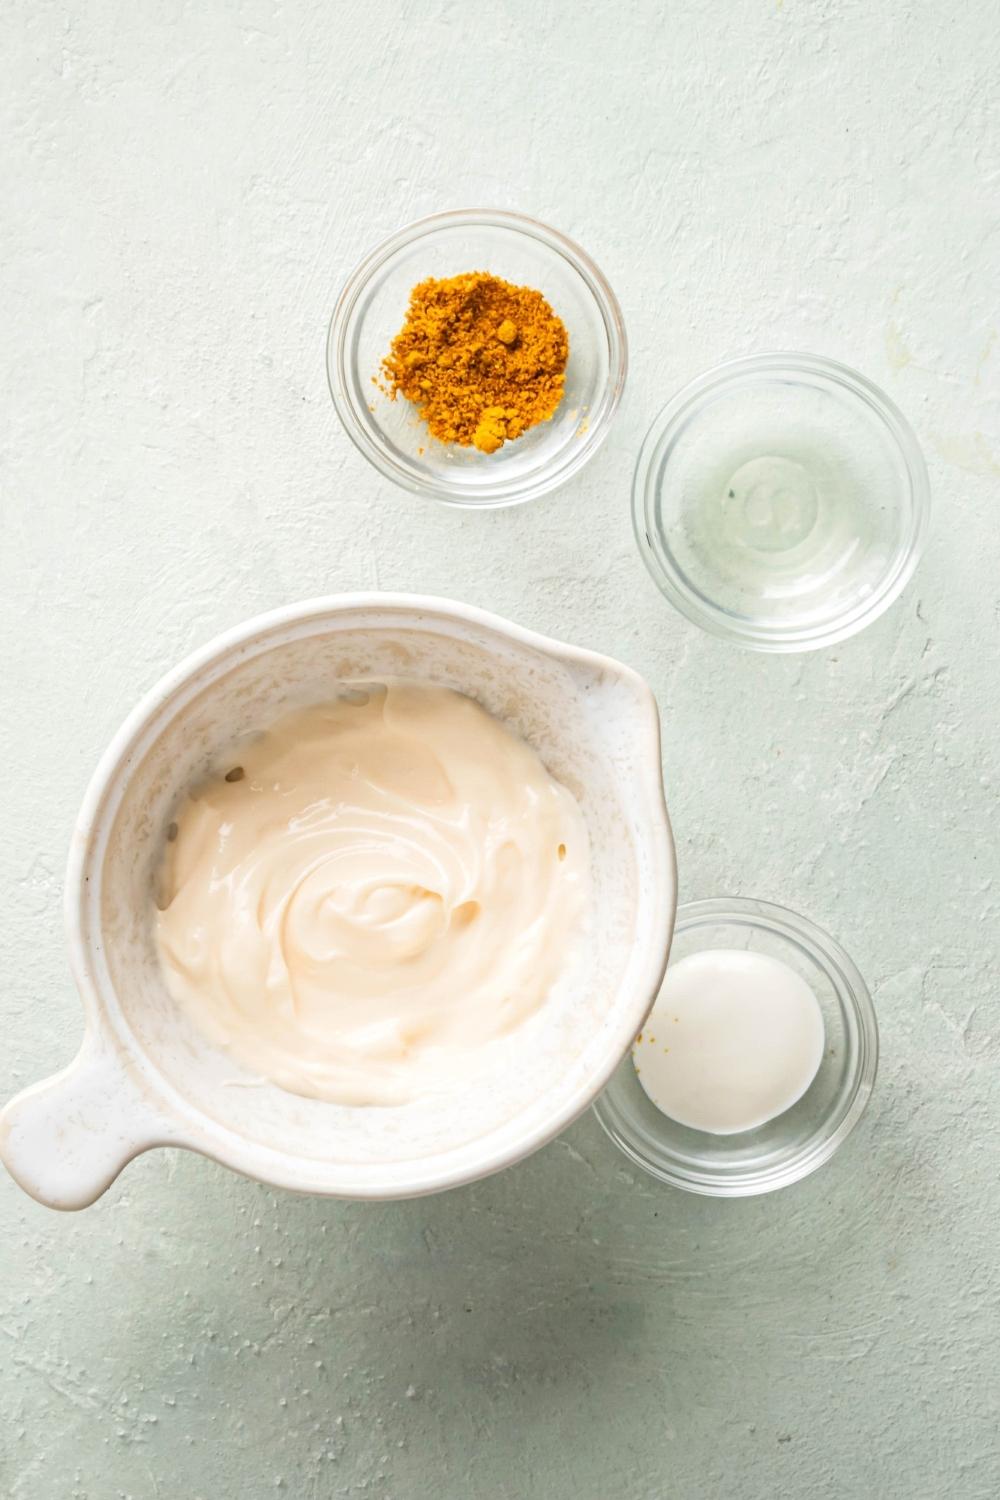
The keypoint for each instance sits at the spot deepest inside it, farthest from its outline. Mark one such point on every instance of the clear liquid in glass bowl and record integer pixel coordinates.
(781, 501)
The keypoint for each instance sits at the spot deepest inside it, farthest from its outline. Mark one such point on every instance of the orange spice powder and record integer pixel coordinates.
(481, 359)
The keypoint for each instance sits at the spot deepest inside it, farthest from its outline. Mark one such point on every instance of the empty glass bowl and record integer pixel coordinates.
(781, 501)
(372, 308)
(795, 1143)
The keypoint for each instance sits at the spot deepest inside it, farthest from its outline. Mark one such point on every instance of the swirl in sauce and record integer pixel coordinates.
(380, 887)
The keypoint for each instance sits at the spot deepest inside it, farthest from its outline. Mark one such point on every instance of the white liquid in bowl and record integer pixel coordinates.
(734, 1039)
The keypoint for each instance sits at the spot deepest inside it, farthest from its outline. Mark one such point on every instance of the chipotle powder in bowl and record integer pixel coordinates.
(481, 359)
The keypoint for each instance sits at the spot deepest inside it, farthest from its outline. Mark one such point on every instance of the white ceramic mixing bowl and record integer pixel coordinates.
(145, 1078)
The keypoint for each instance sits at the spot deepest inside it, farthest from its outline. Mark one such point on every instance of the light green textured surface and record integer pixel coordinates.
(186, 187)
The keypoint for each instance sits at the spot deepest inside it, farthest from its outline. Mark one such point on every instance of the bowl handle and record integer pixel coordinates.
(65, 1140)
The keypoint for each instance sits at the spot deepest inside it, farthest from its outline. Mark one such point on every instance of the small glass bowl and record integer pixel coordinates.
(781, 501)
(795, 1143)
(371, 311)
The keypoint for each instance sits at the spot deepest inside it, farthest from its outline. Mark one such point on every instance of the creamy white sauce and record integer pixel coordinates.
(734, 1039)
(379, 888)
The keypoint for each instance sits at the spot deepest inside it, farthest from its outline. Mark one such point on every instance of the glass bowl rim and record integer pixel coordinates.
(696, 606)
(852, 991)
(517, 491)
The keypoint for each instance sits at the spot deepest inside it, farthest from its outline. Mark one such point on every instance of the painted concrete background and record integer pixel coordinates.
(185, 187)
